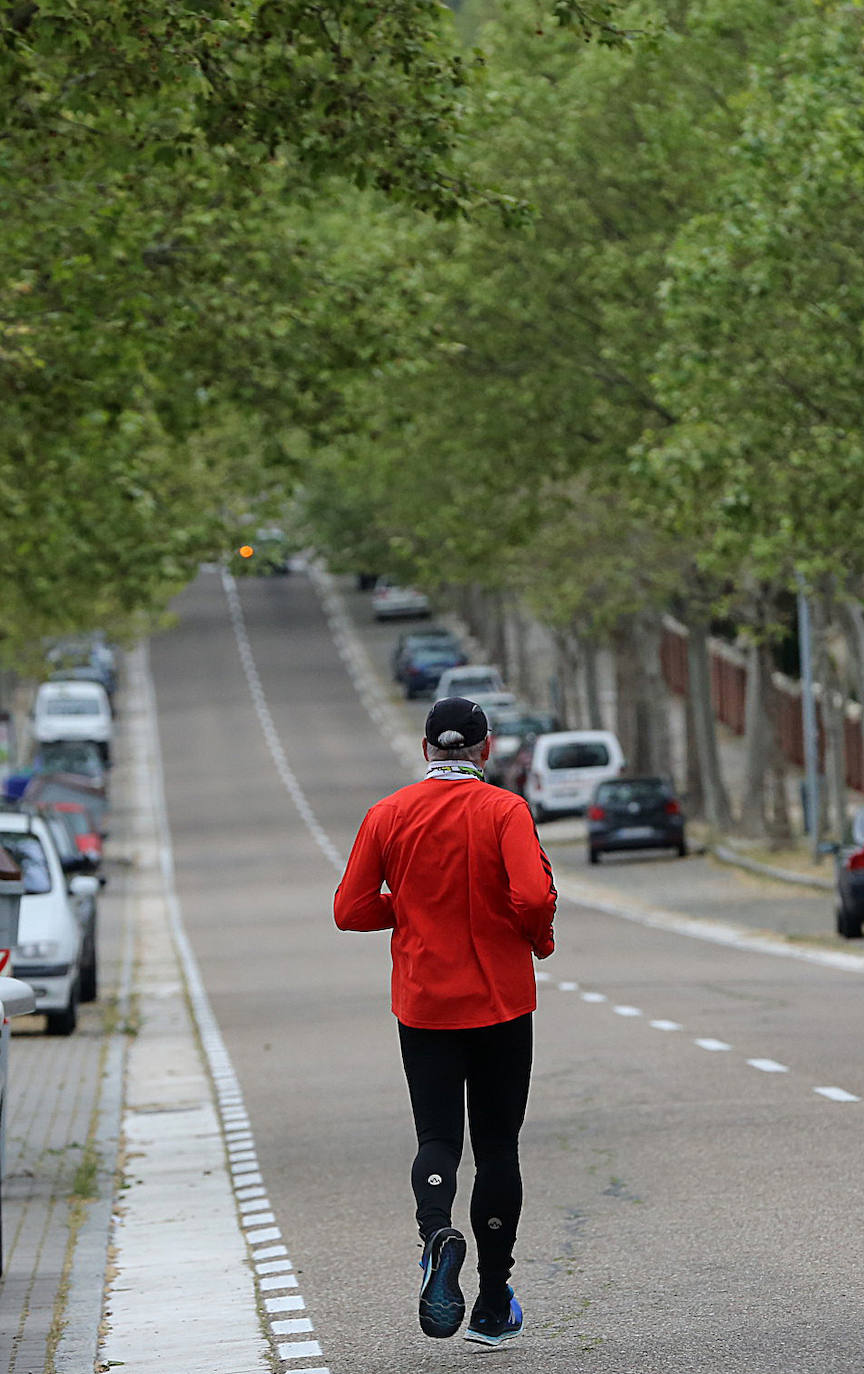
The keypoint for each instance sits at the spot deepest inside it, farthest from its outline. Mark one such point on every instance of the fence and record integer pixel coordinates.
(729, 699)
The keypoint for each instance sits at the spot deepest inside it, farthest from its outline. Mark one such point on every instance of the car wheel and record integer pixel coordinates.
(594, 856)
(64, 1022)
(848, 926)
(89, 977)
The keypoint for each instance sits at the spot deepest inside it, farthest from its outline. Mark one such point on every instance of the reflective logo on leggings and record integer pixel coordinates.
(435, 1179)
(494, 1223)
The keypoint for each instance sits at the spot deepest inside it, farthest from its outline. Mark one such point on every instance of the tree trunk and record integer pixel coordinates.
(717, 810)
(643, 721)
(592, 684)
(758, 736)
(833, 704)
(695, 792)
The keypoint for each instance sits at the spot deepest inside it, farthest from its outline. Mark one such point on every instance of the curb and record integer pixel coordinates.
(783, 875)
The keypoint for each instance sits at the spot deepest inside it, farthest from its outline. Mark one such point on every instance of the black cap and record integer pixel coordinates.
(456, 723)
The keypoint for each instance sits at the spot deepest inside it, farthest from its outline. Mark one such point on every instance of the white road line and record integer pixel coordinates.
(294, 1326)
(254, 1204)
(270, 1252)
(837, 1094)
(277, 753)
(259, 1219)
(594, 997)
(274, 1283)
(249, 1192)
(666, 1025)
(627, 1011)
(768, 1065)
(274, 1266)
(267, 1233)
(713, 1045)
(540, 976)
(568, 987)
(300, 1350)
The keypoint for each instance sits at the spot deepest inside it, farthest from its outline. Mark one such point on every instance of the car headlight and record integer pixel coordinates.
(38, 949)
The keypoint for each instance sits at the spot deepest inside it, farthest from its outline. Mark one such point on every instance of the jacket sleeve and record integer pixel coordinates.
(359, 903)
(532, 888)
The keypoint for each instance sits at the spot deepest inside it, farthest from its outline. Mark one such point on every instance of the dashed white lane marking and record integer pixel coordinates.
(627, 1011)
(274, 744)
(241, 1156)
(568, 987)
(594, 997)
(666, 1025)
(837, 1094)
(768, 1065)
(715, 1046)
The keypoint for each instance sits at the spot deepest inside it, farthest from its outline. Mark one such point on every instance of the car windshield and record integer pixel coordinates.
(479, 682)
(520, 725)
(584, 754)
(71, 706)
(640, 790)
(65, 757)
(29, 855)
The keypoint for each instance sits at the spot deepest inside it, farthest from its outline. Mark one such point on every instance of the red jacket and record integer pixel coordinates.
(471, 896)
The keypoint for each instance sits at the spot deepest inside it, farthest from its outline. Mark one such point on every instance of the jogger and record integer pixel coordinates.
(470, 899)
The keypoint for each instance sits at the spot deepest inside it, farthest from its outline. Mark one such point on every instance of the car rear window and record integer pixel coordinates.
(585, 754)
(71, 706)
(481, 682)
(642, 790)
(29, 855)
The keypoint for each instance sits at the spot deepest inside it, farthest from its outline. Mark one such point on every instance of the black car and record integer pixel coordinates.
(634, 813)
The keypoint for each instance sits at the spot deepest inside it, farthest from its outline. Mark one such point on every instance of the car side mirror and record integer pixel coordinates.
(83, 885)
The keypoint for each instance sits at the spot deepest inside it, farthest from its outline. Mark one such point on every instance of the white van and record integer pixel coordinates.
(566, 767)
(72, 711)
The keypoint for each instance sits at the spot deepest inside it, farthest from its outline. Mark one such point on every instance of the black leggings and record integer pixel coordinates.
(495, 1064)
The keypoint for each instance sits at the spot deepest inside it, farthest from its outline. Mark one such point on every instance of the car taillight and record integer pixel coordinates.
(596, 813)
(855, 861)
(672, 808)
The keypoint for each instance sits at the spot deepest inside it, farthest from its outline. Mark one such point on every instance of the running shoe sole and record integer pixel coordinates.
(481, 1339)
(442, 1306)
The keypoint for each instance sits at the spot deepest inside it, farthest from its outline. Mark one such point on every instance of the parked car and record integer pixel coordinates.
(84, 904)
(473, 678)
(81, 758)
(70, 787)
(82, 827)
(849, 879)
(392, 602)
(50, 938)
(426, 637)
(422, 670)
(509, 728)
(566, 767)
(89, 672)
(635, 813)
(72, 711)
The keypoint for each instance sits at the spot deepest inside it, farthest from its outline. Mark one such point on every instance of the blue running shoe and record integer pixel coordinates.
(494, 1328)
(442, 1305)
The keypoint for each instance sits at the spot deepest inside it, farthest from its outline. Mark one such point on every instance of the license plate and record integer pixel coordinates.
(636, 832)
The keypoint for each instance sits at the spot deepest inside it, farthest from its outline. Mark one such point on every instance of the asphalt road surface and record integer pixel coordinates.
(686, 1209)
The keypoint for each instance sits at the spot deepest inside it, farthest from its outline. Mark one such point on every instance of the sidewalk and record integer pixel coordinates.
(139, 1234)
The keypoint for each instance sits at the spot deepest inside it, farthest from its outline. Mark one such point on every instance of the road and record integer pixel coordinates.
(686, 1209)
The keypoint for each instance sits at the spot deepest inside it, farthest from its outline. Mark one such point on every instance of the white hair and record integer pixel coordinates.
(473, 753)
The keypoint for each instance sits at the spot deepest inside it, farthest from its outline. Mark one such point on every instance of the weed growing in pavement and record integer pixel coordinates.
(84, 1184)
